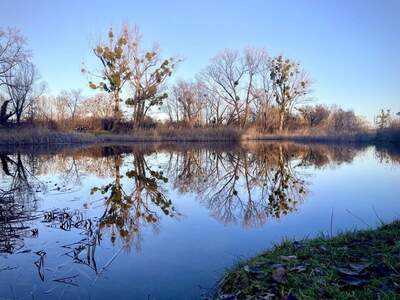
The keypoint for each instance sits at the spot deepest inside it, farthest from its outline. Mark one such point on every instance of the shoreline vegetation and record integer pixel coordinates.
(245, 94)
(16, 137)
(361, 264)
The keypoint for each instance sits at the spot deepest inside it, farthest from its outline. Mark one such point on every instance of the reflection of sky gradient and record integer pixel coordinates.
(350, 48)
(195, 249)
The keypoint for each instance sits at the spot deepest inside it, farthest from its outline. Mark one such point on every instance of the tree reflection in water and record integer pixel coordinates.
(127, 211)
(18, 202)
(241, 186)
(246, 185)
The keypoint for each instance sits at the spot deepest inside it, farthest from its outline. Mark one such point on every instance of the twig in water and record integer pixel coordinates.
(67, 280)
(107, 264)
(358, 218)
(111, 260)
(376, 214)
(40, 263)
(7, 268)
(332, 223)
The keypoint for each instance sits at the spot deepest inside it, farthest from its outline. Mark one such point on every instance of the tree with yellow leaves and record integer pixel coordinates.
(115, 70)
(289, 83)
(148, 74)
(124, 61)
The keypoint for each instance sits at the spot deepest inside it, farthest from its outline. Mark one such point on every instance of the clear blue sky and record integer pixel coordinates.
(350, 48)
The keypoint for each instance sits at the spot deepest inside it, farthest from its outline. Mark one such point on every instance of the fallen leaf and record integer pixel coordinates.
(318, 271)
(288, 258)
(298, 269)
(256, 270)
(353, 281)
(268, 296)
(279, 275)
(346, 271)
(359, 267)
(227, 297)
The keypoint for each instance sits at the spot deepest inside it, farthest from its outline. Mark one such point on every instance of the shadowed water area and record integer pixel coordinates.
(164, 221)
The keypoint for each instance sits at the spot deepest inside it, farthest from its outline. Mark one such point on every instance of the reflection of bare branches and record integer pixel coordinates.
(17, 203)
(389, 154)
(22, 182)
(242, 186)
(245, 185)
(13, 224)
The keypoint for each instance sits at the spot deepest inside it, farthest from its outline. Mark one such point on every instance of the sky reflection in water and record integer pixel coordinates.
(164, 221)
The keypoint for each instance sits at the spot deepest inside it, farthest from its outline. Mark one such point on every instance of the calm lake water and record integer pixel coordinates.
(164, 222)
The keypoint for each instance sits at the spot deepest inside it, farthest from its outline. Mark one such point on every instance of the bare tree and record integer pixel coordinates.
(189, 101)
(173, 109)
(20, 82)
(315, 115)
(222, 78)
(72, 100)
(383, 120)
(254, 60)
(232, 77)
(263, 111)
(215, 107)
(45, 108)
(12, 52)
(97, 106)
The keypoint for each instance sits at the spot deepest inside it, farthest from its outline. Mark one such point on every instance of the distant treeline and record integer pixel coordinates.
(240, 89)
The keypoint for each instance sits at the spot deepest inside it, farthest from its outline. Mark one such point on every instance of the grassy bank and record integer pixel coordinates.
(352, 265)
(41, 137)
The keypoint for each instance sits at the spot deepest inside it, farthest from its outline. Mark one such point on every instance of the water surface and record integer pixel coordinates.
(164, 221)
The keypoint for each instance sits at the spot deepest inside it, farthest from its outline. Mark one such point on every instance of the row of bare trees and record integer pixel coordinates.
(18, 77)
(237, 88)
(70, 109)
(242, 89)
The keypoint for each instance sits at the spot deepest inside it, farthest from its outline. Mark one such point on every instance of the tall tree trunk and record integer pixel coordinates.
(117, 112)
(281, 120)
(3, 112)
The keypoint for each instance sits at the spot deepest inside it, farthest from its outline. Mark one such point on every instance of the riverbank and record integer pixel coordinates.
(42, 137)
(352, 265)
(381, 136)
(224, 134)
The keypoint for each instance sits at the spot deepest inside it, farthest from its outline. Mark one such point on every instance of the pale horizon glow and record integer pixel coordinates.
(349, 48)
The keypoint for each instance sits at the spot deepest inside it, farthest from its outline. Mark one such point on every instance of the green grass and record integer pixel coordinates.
(352, 265)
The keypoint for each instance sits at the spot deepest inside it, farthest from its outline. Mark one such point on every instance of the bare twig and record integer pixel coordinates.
(376, 214)
(358, 218)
